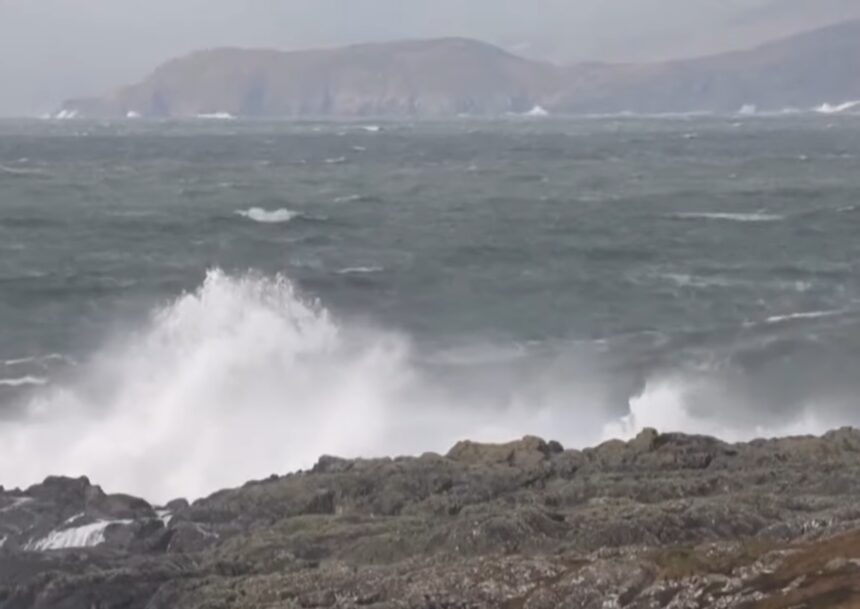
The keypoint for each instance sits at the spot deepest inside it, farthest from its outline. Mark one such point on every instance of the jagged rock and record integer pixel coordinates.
(665, 520)
(528, 452)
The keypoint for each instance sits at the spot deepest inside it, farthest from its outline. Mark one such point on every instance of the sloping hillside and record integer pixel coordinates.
(453, 76)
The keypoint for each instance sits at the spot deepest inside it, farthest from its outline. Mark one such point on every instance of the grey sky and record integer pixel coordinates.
(54, 49)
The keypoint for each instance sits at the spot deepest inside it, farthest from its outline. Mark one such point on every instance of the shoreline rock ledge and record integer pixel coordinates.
(664, 520)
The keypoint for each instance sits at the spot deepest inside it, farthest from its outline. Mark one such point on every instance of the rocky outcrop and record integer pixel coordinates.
(665, 520)
(451, 77)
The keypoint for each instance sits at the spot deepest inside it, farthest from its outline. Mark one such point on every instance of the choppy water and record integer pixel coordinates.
(188, 305)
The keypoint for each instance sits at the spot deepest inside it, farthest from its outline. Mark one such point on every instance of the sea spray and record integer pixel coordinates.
(243, 378)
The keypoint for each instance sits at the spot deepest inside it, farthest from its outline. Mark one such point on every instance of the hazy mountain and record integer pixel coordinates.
(452, 76)
(803, 71)
(113, 42)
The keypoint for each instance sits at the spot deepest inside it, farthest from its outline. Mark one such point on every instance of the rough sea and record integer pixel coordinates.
(188, 305)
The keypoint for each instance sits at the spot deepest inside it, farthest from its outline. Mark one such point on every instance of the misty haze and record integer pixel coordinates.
(420, 305)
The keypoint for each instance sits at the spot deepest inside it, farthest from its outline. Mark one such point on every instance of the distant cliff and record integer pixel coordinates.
(450, 77)
(428, 78)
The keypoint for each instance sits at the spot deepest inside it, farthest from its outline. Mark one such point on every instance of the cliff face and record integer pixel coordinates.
(450, 77)
(665, 520)
(428, 78)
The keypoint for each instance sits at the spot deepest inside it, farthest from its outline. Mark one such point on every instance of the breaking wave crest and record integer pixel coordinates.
(243, 378)
(265, 216)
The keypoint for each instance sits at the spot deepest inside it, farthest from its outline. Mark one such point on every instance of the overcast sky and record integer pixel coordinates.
(54, 49)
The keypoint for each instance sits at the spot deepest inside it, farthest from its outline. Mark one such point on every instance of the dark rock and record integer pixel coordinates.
(665, 520)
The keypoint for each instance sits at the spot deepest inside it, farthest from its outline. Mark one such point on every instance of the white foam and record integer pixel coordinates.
(218, 116)
(537, 112)
(730, 217)
(132, 114)
(806, 315)
(267, 216)
(23, 381)
(164, 516)
(669, 404)
(372, 128)
(340, 160)
(3, 541)
(748, 110)
(360, 270)
(66, 114)
(87, 536)
(837, 108)
(37, 359)
(244, 362)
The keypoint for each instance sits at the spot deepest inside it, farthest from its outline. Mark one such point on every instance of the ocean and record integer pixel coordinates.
(189, 305)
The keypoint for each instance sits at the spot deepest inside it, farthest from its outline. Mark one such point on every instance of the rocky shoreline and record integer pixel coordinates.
(665, 520)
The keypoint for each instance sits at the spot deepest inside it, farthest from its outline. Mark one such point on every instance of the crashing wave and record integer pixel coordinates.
(244, 359)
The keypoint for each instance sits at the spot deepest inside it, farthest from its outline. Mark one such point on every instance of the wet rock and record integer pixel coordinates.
(665, 520)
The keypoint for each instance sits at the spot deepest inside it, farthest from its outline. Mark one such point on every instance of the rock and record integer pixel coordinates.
(528, 452)
(665, 520)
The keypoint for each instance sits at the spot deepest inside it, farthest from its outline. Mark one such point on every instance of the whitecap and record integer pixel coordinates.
(335, 161)
(372, 128)
(537, 112)
(776, 319)
(360, 270)
(730, 217)
(837, 108)
(24, 381)
(38, 359)
(221, 116)
(66, 114)
(266, 216)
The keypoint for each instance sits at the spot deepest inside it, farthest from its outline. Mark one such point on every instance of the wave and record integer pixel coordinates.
(837, 108)
(23, 381)
(360, 270)
(537, 112)
(20, 171)
(729, 217)
(246, 361)
(776, 319)
(349, 199)
(41, 360)
(266, 216)
(222, 116)
(665, 404)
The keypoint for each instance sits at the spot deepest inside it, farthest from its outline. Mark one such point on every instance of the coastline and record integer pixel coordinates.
(662, 520)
